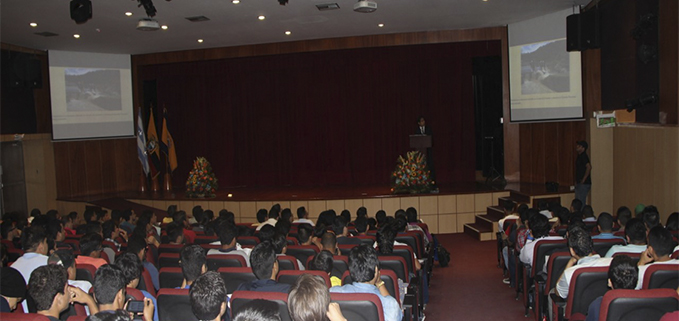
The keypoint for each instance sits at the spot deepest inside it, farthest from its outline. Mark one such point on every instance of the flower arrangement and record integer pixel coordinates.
(202, 181)
(411, 174)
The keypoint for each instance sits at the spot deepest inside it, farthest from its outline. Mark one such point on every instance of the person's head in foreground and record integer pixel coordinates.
(208, 297)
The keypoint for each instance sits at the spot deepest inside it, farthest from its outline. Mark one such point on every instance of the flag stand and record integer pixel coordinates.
(142, 182)
(155, 186)
(168, 182)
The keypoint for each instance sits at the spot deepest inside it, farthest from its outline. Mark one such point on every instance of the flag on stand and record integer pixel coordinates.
(152, 145)
(141, 144)
(167, 144)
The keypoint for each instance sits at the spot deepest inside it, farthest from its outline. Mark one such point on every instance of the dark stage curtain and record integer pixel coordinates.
(322, 118)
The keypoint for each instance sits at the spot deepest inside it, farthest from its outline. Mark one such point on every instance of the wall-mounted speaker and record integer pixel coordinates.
(582, 31)
(25, 71)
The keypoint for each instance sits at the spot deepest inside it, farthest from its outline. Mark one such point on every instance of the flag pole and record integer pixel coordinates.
(142, 182)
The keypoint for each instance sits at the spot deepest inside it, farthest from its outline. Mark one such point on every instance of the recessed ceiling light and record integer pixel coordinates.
(380, 25)
(33, 24)
(129, 14)
(235, 1)
(200, 40)
(261, 17)
(164, 27)
(287, 33)
(76, 36)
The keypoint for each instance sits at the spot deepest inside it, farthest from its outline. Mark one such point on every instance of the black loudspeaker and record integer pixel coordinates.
(81, 10)
(582, 31)
(25, 71)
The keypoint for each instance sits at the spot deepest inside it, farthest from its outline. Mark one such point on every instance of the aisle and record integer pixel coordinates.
(471, 287)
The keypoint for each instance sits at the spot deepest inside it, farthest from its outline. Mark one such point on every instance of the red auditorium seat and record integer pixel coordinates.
(290, 276)
(359, 306)
(633, 305)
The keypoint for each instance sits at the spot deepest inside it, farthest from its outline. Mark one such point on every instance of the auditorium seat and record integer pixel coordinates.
(340, 263)
(290, 276)
(234, 276)
(544, 282)
(85, 272)
(241, 298)
(7, 316)
(248, 240)
(587, 284)
(208, 246)
(216, 261)
(168, 260)
(542, 249)
(396, 264)
(174, 305)
(170, 277)
(202, 239)
(633, 305)
(170, 248)
(134, 294)
(345, 249)
(287, 262)
(359, 306)
(302, 252)
(75, 318)
(601, 247)
(292, 240)
(414, 239)
(367, 239)
(146, 283)
(665, 276)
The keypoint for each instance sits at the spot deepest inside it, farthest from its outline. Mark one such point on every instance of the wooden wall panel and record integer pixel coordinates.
(668, 27)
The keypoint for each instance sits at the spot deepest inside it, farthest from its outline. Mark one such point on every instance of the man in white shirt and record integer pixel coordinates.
(539, 231)
(581, 247)
(273, 217)
(227, 237)
(658, 252)
(303, 217)
(34, 242)
(635, 233)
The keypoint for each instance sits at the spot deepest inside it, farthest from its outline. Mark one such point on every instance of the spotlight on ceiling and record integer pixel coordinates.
(148, 6)
(81, 10)
(365, 6)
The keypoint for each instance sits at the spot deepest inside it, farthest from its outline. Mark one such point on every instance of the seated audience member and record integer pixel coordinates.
(638, 210)
(539, 230)
(258, 310)
(364, 271)
(137, 246)
(576, 205)
(605, 225)
(522, 230)
(651, 217)
(71, 222)
(623, 215)
(329, 243)
(227, 237)
(346, 215)
(660, 245)
(112, 231)
(303, 216)
(132, 268)
(208, 297)
(266, 233)
(34, 243)
(273, 217)
(180, 218)
(51, 293)
(339, 226)
(286, 215)
(10, 232)
(362, 212)
(309, 300)
(197, 214)
(622, 274)
(65, 258)
(386, 239)
(193, 264)
(581, 247)
(90, 250)
(12, 289)
(411, 219)
(323, 262)
(361, 226)
(109, 288)
(509, 214)
(175, 233)
(128, 219)
(261, 217)
(673, 222)
(588, 214)
(381, 218)
(635, 233)
(265, 267)
(304, 234)
(283, 227)
(280, 245)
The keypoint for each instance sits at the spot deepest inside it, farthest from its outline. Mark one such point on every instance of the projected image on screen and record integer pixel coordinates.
(545, 68)
(92, 89)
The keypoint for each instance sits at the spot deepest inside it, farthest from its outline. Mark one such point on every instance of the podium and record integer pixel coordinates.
(420, 143)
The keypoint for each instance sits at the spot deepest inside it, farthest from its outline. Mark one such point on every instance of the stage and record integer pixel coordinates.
(445, 212)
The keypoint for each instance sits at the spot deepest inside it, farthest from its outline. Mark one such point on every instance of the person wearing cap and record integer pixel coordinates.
(583, 169)
(12, 289)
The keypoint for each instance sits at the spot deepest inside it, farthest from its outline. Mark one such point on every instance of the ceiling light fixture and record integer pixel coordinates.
(261, 17)
(76, 36)
(200, 40)
(33, 24)
(81, 10)
(287, 33)
(129, 14)
(380, 25)
(235, 1)
(164, 27)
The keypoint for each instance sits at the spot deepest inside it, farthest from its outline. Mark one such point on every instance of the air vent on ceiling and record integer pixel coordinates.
(46, 34)
(197, 18)
(327, 6)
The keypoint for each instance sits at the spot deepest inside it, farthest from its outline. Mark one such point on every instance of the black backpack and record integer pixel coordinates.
(443, 256)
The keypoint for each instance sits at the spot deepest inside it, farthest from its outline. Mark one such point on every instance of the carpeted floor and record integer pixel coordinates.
(471, 287)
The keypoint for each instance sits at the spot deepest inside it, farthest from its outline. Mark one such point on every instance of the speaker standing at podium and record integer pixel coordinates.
(423, 129)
